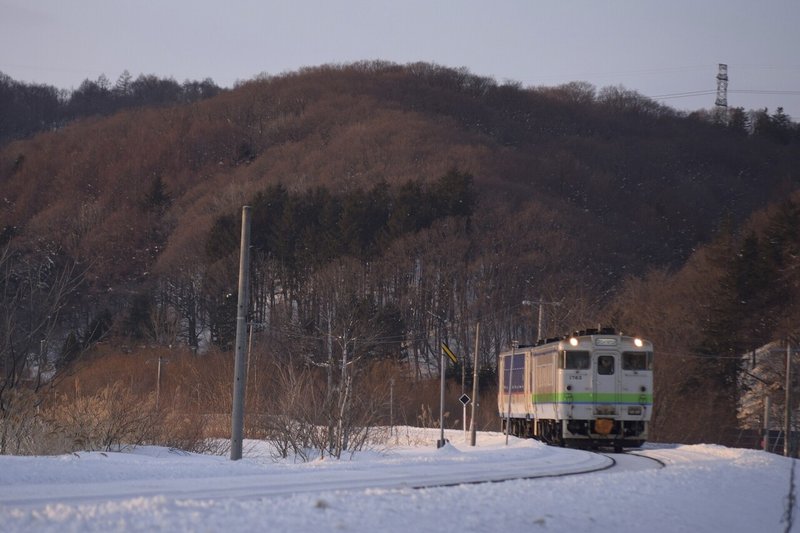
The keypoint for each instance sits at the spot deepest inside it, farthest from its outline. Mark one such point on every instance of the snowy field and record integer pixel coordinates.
(702, 488)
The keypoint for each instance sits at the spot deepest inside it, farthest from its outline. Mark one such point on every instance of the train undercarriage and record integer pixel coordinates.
(591, 434)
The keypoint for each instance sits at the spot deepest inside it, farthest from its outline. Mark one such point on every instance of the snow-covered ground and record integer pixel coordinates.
(701, 488)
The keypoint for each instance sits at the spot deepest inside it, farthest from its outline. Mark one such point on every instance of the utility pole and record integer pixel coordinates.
(158, 382)
(514, 345)
(240, 366)
(787, 408)
(391, 407)
(472, 426)
(442, 372)
(541, 305)
(765, 446)
(463, 392)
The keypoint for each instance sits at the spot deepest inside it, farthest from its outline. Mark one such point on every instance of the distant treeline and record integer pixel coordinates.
(26, 109)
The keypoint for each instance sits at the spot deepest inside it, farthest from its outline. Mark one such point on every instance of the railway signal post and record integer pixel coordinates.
(464, 399)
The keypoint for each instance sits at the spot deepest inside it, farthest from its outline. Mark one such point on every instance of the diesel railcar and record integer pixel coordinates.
(589, 389)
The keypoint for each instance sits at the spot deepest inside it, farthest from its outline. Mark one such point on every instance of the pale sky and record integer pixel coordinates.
(665, 47)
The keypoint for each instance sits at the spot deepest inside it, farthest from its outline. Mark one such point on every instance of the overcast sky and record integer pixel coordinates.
(664, 47)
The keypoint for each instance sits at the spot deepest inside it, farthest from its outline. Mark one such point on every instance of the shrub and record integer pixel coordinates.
(113, 419)
(21, 431)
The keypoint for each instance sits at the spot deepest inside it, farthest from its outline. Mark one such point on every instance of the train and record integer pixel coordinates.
(593, 388)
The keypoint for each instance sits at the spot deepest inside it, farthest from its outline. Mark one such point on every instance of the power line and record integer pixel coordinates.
(695, 355)
(688, 94)
(753, 91)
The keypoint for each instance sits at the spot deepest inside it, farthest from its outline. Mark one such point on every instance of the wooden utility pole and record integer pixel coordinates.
(158, 382)
(240, 367)
(765, 445)
(441, 442)
(514, 345)
(463, 392)
(541, 305)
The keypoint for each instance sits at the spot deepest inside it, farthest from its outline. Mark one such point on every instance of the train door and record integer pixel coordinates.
(605, 383)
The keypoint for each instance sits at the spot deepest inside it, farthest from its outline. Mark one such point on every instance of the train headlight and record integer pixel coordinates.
(638, 342)
(635, 410)
(573, 341)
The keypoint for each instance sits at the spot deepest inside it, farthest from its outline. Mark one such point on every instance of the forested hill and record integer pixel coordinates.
(509, 192)
(29, 108)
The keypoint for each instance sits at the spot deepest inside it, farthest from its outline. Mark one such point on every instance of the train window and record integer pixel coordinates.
(637, 360)
(574, 360)
(605, 365)
(516, 369)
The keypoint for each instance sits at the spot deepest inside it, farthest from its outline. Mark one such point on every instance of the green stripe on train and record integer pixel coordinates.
(591, 397)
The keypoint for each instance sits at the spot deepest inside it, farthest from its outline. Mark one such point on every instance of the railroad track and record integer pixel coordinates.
(615, 461)
(639, 454)
(625, 461)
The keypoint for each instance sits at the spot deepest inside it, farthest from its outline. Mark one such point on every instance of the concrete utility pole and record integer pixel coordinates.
(787, 408)
(240, 367)
(472, 426)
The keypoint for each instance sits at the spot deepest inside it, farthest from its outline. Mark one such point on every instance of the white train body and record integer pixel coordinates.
(594, 388)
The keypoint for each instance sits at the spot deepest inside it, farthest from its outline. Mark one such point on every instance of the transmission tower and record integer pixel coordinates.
(722, 86)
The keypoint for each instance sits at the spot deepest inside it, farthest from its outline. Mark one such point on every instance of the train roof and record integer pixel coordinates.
(589, 332)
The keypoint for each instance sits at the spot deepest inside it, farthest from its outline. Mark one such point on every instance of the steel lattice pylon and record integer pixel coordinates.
(722, 86)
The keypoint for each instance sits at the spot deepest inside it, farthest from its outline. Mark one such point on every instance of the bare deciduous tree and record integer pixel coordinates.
(33, 294)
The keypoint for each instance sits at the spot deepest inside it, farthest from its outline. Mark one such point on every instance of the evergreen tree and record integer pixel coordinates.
(122, 88)
(455, 195)
(411, 210)
(780, 126)
(157, 198)
(222, 238)
(739, 121)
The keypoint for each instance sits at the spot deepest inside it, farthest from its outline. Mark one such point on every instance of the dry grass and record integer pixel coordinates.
(111, 400)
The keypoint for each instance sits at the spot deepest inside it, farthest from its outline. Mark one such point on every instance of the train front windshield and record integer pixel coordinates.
(637, 360)
(605, 365)
(574, 360)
